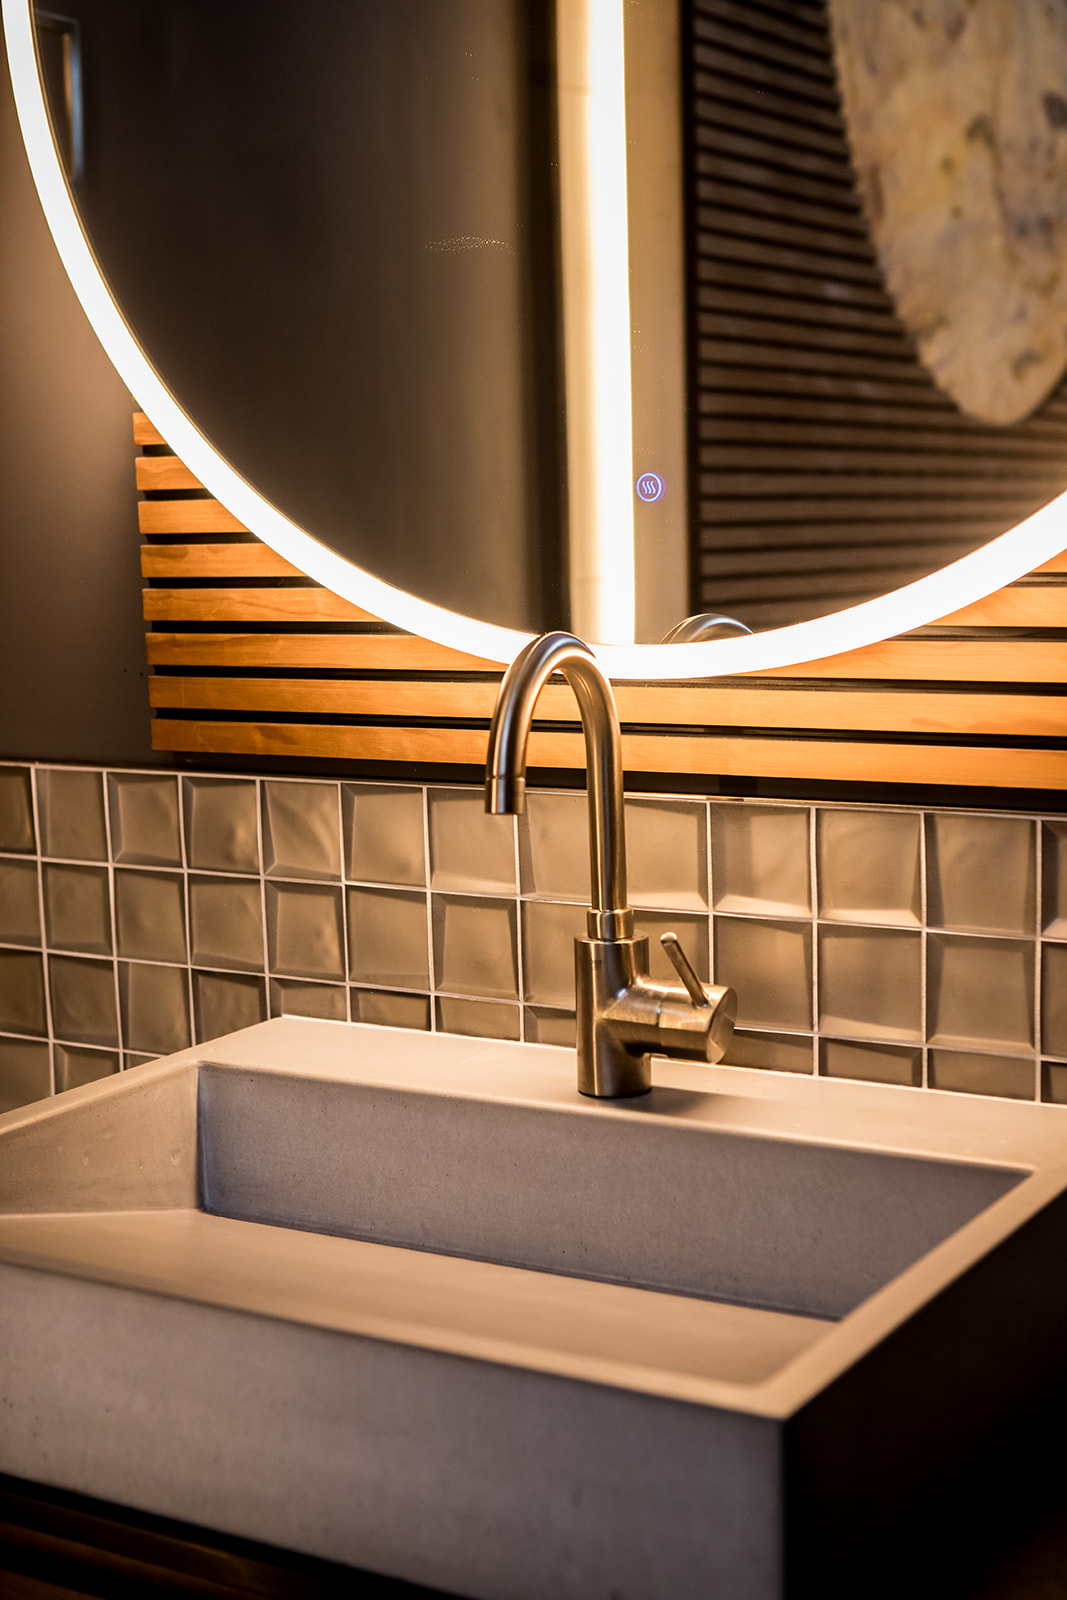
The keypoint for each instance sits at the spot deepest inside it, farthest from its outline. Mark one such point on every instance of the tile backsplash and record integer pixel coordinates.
(141, 912)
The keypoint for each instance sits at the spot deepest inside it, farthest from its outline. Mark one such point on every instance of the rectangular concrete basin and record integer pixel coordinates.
(412, 1303)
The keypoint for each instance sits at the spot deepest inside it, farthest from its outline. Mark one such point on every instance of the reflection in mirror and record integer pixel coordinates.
(413, 248)
(331, 228)
(833, 464)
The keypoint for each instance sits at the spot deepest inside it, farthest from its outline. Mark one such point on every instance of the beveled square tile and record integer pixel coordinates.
(221, 827)
(77, 1064)
(155, 1008)
(150, 915)
(470, 851)
(326, 1000)
(545, 1025)
(22, 1007)
(129, 1060)
(769, 964)
(83, 1000)
(771, 1052)
(549, 930)
(305, 932)
(869, 866)
(20, 910)
(1010, 1077)
(1054, 999)
(554, 846)
(1054, 879)
(475, 946)
(301, 830)
(981, 992)
(25, 1073)
(384, 837)
(873, 1063)
(226, 922)
(225, 1003)
(1054, 1083)
(760, 859)
(144, 819)
(667, 853)
(870, 982)
(388, 1010)
(16, 810)
(71, 804)
(692, 936)
(387, 939)
(980, 873)
(480, 1019)
(77, 908)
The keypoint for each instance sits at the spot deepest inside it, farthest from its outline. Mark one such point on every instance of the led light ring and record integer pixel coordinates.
(1004, 559)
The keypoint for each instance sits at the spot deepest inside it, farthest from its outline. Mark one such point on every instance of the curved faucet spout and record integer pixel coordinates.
(622, 1016)
(505, 785)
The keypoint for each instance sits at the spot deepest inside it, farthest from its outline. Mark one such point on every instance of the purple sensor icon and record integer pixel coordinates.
(650, 486)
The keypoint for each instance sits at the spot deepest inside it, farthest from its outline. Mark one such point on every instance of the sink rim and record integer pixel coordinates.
(738, 1101)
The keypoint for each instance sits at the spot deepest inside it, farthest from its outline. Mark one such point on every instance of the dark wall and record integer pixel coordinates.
(73, 681)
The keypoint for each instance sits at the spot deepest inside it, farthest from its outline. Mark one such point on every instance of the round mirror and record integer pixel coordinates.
(323, 247)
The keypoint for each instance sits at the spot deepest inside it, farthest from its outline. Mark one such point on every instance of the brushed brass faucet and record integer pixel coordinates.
(624, 1018)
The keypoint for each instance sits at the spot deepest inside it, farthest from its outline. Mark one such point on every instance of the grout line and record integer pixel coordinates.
(813, 894)
(426, 879)
(188, 906)
(924, 952)
(113, 911)
(709, 879)
(1039, 949)
(345, 964)
(262, 889)
(184, 852)
(49, 1020)
(520, 937)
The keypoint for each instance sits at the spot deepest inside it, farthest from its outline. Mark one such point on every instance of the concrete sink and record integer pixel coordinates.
(411, 1303)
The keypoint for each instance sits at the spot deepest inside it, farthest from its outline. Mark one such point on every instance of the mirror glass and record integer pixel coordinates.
(334, 229)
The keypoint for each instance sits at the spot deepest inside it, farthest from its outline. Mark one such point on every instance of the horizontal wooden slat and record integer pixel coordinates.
(250, 605)
(943, 661)
(164, 472)
(219, 561)
(716, 704)
(821, 760)
(906, 660)
(1029, 605)
(186, 516)
(352, 652)
(145, 431)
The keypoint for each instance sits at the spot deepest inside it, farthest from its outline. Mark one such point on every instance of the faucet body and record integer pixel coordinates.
(623, 1016)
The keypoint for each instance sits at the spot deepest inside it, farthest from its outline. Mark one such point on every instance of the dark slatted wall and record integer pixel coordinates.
(826, 465)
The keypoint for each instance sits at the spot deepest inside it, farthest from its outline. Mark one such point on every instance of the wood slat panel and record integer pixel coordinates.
(717, 704)
(906, 660)
(942, 661)
(145, 432)
(186, 516)
(250, 605)
(1029, 605)
(821, 760)
(158, 473)
(172, 562)
(367, 652)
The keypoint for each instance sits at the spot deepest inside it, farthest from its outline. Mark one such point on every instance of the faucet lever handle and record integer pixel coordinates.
(683, 967)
